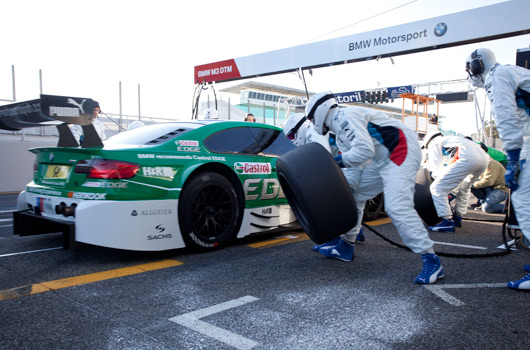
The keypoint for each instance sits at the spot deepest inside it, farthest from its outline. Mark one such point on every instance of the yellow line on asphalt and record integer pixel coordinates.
(303, 237)
(378, 222)
(279, 241)
(84, 279)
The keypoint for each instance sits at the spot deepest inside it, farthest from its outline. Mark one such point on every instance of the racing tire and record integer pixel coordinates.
(374, 207)
(209, 212)
(423, 202)
(317, 192)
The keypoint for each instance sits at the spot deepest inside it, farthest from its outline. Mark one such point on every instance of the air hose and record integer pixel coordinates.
(451, 255)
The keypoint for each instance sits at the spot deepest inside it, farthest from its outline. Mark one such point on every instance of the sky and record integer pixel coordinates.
(87, 48)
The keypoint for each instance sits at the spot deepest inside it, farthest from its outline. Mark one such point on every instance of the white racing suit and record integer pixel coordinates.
(77, 130)
(307, 134)
(455, 163)
(394, 154)
(508, 89)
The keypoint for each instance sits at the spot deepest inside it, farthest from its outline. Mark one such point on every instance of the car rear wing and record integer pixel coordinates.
(54, 110)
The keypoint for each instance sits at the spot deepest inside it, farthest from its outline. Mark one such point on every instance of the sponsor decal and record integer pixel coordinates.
(160, 228)
(54, 183)
(87, 195)
(44, 205)
(105, 184)
(143, 156)
(151, 237)
(216, 71)
(64, 111)
(188, 149)
(201, 243)
(160, 171)
(71, 101)
(262, 189)
(266, 211)
(252, 168)
(382, 41)
(440, 29)
(152, 212)
(169, 156)
(187, 143)
(44, 191)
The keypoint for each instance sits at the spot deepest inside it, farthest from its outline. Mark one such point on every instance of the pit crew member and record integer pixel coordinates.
(508, 89)
(365, 134)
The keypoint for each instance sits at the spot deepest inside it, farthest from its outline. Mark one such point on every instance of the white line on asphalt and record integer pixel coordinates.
(510, 244)
(461, 245)
(192, 320)
(7, 211)
(30, 251)
(437, 290)
(6, 220)
(6, 226)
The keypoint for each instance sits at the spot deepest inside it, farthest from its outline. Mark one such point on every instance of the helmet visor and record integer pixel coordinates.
(291, 135)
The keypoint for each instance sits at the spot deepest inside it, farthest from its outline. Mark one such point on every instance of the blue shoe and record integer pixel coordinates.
(457, 220)
(522, 284)
(526, 268)
(432, 269)
(360, 236)
(334, 241)
(444, 226)
(342, 251)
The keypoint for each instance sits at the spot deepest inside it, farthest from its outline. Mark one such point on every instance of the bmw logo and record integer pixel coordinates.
(440, 29)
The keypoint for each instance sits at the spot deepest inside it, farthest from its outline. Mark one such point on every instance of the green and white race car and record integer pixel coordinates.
(195, 184)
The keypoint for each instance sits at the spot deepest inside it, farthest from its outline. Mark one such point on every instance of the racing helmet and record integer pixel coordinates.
(135, 125)
(317, 110)
(480, 61)
(211, 113)
(295, 128)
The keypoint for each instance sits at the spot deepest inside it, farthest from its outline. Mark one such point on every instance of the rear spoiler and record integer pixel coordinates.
(54, 110)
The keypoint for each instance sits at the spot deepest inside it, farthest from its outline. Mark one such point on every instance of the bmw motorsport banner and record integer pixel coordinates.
(510, 19)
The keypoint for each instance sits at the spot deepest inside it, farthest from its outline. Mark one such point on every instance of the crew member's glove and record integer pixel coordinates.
(513, 168)
(339, 161)
(332, 139)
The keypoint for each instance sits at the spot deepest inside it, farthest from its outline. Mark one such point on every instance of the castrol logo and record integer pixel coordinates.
(252, 168)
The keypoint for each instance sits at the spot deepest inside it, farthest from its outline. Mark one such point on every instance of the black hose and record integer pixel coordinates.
(451, 255)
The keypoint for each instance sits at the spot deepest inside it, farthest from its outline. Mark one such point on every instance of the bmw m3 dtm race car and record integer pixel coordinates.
(195, 184)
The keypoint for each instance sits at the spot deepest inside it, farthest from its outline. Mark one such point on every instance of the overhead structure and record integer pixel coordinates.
(510, 18)
(418, 117)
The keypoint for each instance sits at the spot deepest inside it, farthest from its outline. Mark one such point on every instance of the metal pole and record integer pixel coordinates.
(229, 108)
(274, 114)
(264, 120)
(13, 82)
(40, 89)
(139, 109)
(120, 110)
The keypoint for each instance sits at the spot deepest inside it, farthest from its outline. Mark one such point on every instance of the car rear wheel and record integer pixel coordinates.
(317, 192)
(374, 207)
(209, 212)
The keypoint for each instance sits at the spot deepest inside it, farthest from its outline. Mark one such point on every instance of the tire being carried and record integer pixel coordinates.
(317, 192)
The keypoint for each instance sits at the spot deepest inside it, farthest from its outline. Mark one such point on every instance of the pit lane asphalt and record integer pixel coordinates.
(266, 292)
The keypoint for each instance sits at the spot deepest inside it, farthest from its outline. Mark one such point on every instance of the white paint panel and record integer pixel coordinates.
(129, 224)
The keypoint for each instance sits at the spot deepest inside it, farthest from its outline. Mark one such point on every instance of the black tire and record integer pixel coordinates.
(423, 202)
(209, 212)
(374, 207)
(317, 192)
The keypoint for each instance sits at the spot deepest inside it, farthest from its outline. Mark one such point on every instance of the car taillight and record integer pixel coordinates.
(106, 169)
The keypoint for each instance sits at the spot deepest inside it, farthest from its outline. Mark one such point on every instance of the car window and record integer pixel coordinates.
(272, 142)
(151, 134)
(249, 140)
